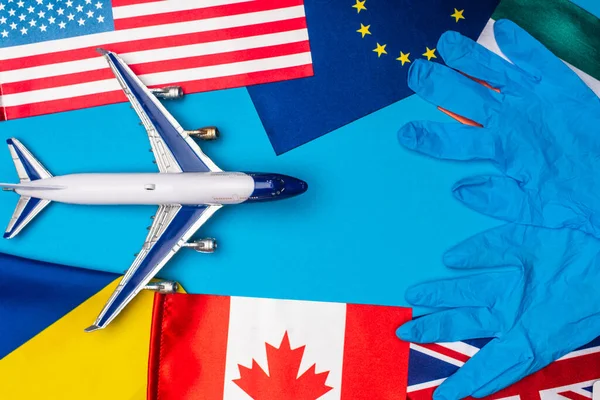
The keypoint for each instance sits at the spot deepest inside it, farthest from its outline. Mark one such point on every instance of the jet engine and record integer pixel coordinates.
(164, 287)
(168, 92)
(208, 245)
(206, 133)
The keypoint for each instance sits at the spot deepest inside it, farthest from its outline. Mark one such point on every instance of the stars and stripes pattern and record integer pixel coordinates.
(200, 45)
(570, 377)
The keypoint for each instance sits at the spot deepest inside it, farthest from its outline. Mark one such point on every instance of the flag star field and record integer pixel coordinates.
(32, 21)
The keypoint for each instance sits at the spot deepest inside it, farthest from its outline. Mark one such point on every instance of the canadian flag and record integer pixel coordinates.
(207, 347)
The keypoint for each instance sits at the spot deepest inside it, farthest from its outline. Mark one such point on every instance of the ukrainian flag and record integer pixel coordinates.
(44, 352)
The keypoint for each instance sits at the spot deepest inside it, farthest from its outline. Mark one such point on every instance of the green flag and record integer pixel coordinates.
(569, 31)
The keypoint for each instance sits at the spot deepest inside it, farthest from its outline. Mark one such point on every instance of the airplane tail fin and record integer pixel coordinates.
(28, 169)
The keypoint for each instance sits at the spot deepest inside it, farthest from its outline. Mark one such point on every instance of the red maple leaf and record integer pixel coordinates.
(283, 382)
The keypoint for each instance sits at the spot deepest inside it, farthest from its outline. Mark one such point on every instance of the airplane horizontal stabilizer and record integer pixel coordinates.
(27, 208)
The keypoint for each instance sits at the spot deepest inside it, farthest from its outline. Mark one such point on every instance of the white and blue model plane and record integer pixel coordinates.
(189, 189)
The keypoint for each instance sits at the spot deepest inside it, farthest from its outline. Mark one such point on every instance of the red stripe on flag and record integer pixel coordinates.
(253, 78)
(423, 394)
(574, 396)
(204, 13)
(2, 109)
(446, 351)
(559, 373)
(120, 3)
(155, 43)
(190, 336)
(374, 357)
(159, 66)
(117, 96)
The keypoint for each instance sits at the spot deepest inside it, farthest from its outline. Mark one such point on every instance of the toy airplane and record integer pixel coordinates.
(189, 189)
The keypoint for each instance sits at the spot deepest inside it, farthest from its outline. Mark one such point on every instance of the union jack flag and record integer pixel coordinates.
(570, 377)
(48, 63)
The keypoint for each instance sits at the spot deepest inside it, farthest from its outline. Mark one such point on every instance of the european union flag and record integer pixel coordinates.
(361, 52)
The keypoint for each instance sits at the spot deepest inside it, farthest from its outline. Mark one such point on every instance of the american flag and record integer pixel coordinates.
(48, 61)
(570, 377)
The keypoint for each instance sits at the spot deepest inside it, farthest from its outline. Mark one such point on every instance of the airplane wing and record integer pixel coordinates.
(174, 150)
(172, 227)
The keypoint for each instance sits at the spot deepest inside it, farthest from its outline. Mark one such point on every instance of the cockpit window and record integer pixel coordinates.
(278, 186)
(267, 186)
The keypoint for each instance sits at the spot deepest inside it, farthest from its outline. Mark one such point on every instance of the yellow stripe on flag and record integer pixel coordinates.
(63, 362)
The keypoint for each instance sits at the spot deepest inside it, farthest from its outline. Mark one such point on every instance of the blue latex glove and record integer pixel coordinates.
(542, 130)
(541, 301)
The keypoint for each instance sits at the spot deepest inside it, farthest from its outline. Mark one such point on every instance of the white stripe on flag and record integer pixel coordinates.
(157, 31)
(424, 385)
(168, 53)
(461, 347)
(579, 353)
(191, 74)
(318, 326)
(158, 7)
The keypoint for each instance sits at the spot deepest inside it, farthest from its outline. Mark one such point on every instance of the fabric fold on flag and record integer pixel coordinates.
(218, 347)
(48, 61)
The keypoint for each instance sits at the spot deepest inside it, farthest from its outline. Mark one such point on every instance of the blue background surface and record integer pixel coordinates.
(375, 220)
(592, 6)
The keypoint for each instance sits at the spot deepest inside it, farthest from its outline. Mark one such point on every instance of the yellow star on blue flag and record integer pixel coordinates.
(380, 49)
(430, 53)
(403, 58)
(364, 30)
(360, 5)
(458, 14)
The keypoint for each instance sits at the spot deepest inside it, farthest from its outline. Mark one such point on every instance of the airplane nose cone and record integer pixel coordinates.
(294, 186)
(303, 187)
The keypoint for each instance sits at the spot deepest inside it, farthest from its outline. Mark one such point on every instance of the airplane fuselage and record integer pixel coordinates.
(189, 188)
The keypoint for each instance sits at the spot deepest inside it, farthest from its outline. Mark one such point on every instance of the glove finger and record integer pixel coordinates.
(499, 364)
(464, 54)
(533, 57)
(451, 326)
(498, 196)
(475, 290)
(450, 141)
(497, 247)
(453, 91)
(505, 198)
